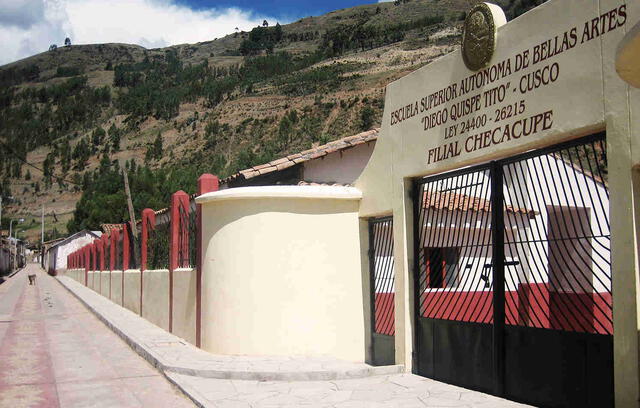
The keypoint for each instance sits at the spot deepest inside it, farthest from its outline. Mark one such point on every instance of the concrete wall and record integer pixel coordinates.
(281, 272)
(155, 297)
(116, 287)
(132, 290)
(105, 283)
(184, 304)
(91, 280)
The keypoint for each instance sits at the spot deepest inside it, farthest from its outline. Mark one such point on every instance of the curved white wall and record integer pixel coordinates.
(281, 272)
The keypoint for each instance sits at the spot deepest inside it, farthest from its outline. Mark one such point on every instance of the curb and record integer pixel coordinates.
(316, 375)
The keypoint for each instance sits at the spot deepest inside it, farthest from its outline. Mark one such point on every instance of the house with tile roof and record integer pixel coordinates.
(338, 162)
(55, 252)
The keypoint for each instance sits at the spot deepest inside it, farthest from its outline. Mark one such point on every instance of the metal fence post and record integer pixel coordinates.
(100, 263)
(206, 184)
(497, 237)
(115, 236)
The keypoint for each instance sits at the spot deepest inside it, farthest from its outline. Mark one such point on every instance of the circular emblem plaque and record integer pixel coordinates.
(479, 37)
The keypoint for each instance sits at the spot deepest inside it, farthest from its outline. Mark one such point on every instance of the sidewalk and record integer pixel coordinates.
(261, 382)
(55, 353)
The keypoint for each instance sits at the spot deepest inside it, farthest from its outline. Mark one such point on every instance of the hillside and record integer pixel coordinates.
(69, 117)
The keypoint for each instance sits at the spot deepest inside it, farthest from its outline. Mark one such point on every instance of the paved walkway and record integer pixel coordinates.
(55, 353)
(173, 354)
(244, 381)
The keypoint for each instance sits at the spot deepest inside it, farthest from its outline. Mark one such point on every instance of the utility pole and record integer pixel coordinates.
(132, 215)
(42, 238)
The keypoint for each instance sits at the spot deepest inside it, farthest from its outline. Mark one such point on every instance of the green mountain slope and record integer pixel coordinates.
(70, 117)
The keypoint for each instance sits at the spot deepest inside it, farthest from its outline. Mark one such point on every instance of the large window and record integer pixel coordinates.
(442, 267)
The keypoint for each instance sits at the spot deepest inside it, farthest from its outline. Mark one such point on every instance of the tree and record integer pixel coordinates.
(285, 130)
(67, 42)
(114, 137)
(366, 118)
(278, 32)
(97, 137)
(154, 151)
(265, 23)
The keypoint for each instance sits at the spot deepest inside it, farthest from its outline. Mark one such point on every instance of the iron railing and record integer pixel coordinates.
(187, 230)
(118, 251)
(555, 242)
(158, 245)
(382, 271)
(560, 274)
(454, 247)
(107, 255)
(134, 247)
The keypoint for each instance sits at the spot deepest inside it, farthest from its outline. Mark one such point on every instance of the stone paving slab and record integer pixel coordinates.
(385, 391)
(170, 353)
(247, 388)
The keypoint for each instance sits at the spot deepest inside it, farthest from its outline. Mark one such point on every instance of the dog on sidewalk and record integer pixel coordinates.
(32, 279)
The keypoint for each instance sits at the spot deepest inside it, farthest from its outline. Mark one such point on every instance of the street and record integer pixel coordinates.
(55, 353)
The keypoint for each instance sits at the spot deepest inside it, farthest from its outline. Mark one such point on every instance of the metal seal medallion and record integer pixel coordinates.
(479, 37)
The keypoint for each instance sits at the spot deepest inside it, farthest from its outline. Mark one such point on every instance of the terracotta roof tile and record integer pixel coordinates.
(461, 202)
(262, 166)
(107, 228)
(279, 161)
(286, 165)
(266, 170)
(306, 155)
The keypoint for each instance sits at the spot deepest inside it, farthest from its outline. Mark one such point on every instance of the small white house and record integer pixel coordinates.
(55, 260)
(338, 162)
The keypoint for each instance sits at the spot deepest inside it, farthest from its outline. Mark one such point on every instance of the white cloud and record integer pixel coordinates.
(30, 26)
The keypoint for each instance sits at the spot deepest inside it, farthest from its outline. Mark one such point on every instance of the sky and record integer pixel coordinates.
(29, 27)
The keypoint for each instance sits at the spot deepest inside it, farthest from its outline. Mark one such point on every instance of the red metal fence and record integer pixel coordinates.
(166, 239)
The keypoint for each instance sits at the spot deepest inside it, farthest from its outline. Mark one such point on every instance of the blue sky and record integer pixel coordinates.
(281, 8)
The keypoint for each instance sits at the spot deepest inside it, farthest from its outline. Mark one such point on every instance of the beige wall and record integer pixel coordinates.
(105, 283)
(76, 274)
(91, 279)
(116, 287)
(281, 272)
(184, 304)
(586, 97)
(155, 297)
(132, 290)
